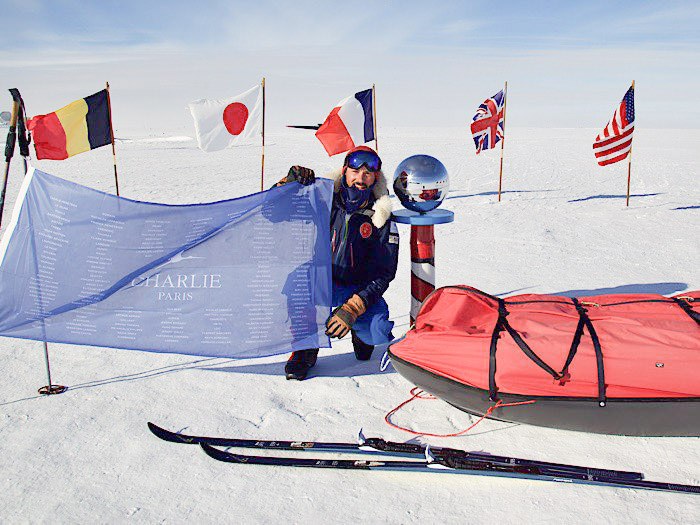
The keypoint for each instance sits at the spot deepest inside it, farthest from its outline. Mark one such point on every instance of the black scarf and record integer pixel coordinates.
(354, 198)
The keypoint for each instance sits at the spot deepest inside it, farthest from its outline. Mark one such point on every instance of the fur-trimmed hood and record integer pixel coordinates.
(382, 203)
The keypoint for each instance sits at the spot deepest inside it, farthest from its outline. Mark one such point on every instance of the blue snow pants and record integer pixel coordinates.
(373, 326)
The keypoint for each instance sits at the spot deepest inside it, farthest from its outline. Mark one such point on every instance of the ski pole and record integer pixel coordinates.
(9, 152)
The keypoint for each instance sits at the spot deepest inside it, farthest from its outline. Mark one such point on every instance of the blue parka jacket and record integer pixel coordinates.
(364, 243)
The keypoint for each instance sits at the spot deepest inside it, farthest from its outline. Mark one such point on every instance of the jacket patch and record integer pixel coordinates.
(366, 230)
(393, 233)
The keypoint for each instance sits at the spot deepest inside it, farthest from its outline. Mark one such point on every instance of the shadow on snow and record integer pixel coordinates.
(340, 365)
(490, 193)
(343, 365)
(658, 288)
(592, 197)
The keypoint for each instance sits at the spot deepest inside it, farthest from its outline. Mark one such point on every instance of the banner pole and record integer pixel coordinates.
(503, 140)
(111, 131)
(48, 389)
(629, 165)
(374, 118)
(262, 159)
(18, 121)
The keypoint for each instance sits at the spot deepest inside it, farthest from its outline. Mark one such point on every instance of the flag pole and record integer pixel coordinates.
(503, 140)
(629, 175)
(262, 159)
(374, 118)
(111, 131)
(629, 165)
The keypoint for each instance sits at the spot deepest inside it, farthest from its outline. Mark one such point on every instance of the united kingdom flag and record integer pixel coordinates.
(487, 126)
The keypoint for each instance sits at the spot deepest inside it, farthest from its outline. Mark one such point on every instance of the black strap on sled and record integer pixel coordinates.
(493, 388)
(586, 321)
(501, 324)
(683, 303)
(574, 343)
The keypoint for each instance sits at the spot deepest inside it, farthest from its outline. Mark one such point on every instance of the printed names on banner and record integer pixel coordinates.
(44, 285)
(127, 325)
(230, 278)
(260, 322)
(153, 238)
(173, 328)
(302, 311)
(219, 322)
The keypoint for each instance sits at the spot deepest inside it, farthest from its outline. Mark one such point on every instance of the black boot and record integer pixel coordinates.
(299, 364)
(363, 351)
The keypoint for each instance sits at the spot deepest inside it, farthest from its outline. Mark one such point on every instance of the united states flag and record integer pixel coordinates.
(487, 125)
(615, 141)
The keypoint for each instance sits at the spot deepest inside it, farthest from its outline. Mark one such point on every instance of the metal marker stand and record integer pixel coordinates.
(422, 251)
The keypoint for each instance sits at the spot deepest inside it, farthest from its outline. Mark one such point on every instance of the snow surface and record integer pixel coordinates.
(87, 456)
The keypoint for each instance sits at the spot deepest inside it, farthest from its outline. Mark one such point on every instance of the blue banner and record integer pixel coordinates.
(247, 277)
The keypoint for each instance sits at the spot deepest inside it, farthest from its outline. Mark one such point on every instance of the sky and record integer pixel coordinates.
(567, 64)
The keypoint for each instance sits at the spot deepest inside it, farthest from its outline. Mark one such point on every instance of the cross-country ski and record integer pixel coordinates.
(381, 446)
(448, 463)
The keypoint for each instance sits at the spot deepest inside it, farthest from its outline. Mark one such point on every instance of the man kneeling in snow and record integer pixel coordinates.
(365, 250)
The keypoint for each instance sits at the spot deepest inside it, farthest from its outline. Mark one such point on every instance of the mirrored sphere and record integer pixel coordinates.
(421, 183)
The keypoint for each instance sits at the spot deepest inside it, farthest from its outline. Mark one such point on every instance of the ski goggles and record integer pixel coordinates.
(357, 159)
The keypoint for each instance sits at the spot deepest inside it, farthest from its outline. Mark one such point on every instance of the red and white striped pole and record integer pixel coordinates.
(422, 266)
(422, 252)
(421, 183)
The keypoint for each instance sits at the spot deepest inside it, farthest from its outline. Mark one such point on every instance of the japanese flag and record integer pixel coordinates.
(223, 123)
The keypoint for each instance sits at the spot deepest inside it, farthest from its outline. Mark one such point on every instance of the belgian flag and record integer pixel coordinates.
(80, 126)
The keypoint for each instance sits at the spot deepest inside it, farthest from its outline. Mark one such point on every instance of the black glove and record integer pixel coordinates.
(300, 174)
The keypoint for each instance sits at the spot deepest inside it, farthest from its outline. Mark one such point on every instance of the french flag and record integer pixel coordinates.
(349, 124)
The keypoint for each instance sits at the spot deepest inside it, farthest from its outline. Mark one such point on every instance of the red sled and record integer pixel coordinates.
(625, 364)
